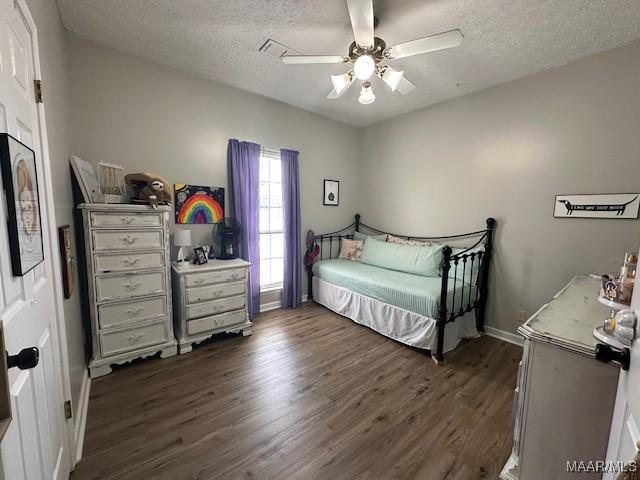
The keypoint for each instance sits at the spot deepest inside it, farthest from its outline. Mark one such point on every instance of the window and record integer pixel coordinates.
(271, 237)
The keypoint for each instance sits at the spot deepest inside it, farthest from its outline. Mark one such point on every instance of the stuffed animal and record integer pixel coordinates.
(149, 187)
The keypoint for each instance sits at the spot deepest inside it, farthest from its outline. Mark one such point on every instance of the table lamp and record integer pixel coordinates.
(182, 239)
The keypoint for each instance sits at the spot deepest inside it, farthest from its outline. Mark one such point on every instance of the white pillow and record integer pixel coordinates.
(351, 250)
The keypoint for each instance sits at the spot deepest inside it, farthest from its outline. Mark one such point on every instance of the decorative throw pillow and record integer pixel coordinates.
(414, 243)
(351, 250)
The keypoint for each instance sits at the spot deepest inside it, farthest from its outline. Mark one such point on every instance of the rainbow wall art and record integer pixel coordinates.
(196, 204)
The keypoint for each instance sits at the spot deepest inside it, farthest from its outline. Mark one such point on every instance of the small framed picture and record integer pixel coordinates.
(68, 267)
(20, 183)
(200, 256)
(331, 193)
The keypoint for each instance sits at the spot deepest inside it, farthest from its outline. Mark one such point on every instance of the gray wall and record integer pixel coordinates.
(149, 117)
(505, 152)
(52, 44)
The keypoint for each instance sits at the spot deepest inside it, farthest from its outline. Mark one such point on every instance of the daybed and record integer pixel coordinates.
(431, 312)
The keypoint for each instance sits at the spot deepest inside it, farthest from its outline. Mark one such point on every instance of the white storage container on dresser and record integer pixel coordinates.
(209, 299)
(129, 285)
(564, 397)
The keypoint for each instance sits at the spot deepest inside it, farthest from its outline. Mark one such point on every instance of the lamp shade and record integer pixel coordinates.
(182, 237)
(392, 77)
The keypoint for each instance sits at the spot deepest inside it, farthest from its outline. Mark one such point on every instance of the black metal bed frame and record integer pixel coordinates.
(478, 288)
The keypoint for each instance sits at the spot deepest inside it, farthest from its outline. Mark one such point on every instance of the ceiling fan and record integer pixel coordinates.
(368, 55)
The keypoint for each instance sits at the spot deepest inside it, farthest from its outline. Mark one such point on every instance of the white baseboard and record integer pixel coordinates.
(265, 307)
(509, 337)
(80, 415)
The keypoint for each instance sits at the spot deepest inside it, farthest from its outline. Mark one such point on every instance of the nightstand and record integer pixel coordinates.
(209, 299)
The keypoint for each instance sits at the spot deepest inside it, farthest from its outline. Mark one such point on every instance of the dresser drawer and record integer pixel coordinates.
(211, 292)
(109, 262)
(121, 341)
(207, 324)
(127, 239)
(114, 314)
(127, 286)
(219, 276)
(216, 306)
(107, 219)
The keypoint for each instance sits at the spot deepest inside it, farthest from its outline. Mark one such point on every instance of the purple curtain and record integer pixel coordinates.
(292, 285)
(244, 168)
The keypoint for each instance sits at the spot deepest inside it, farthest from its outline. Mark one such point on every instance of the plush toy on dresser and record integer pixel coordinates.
(149, 188)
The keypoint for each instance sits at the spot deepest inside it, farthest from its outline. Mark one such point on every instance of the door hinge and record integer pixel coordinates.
(68, 413)
(38, 90)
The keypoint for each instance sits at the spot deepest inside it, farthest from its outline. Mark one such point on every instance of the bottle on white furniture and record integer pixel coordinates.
(210, 299)
(564, 398)
(128, 282)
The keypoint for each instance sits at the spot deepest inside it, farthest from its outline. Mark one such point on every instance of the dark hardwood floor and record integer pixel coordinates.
(311, 395)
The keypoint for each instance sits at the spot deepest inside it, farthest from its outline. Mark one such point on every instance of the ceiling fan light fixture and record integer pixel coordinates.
(341, 82)
(392, 77)
(364, 67)
(366, 94)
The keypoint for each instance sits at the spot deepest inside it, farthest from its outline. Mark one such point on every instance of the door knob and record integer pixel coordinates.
(27, 358)
(606, 354)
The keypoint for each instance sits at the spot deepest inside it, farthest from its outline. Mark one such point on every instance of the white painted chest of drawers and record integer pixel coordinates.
(564, 399)
(128, 280)
(209, 299)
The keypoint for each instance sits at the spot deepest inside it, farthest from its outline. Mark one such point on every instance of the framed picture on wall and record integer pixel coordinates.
(610, 205)
(20, 183)
(331, 195)
(198, 204)
(68, 267)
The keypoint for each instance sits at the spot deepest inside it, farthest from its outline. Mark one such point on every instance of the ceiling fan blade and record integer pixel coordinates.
(405, 86)
(433, 43)
(311, 59)
(361, 13)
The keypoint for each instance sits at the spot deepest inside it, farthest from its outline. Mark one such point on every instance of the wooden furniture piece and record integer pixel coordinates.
(564, 397)
(473, 254)
(209, 299)
(129, 285)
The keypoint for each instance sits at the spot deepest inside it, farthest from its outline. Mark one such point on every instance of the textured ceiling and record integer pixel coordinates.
(219, 39)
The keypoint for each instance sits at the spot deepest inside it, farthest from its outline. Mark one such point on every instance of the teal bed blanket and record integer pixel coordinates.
(414, 293)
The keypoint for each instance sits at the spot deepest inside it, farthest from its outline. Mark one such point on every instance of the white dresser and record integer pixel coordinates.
(564, 396)
(129, 285)
(210, 299)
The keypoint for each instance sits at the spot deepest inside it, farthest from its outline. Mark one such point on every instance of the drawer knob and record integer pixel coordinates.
(131, 260)
(135, 337)
(131, 285)
(129, 239)
(126, 220)
(133, 311)
(198, 281)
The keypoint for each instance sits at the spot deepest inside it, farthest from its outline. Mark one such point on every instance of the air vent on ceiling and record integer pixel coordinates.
(276, 49)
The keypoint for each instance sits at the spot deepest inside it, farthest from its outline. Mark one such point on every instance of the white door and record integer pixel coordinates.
(625, 427)
(35, 445)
